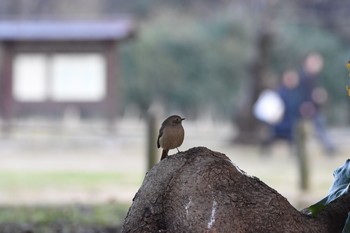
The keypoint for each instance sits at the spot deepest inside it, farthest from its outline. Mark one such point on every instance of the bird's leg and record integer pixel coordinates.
(178, 150)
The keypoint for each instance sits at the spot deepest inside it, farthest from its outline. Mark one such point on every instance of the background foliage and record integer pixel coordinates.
(187, 64)
(195, 61)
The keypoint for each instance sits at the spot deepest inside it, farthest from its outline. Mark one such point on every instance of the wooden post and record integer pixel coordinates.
(152, 155)
(6, 102)
(301, 153)
(112, 88)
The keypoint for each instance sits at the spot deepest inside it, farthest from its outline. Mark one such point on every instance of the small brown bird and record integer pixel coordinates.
(171, 134)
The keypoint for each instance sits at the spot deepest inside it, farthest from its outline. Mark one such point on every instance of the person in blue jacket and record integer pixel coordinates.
(289, 93)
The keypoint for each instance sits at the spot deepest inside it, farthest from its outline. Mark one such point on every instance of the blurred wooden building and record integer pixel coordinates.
(49, 66)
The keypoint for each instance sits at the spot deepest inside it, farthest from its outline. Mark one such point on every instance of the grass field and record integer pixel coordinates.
(69, 217)
(100, 215)
(36, 180)
(66, 218)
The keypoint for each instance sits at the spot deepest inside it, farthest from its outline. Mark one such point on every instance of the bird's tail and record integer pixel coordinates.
(164, 154)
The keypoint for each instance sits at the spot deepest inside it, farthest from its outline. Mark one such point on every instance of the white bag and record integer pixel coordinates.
(269, 107)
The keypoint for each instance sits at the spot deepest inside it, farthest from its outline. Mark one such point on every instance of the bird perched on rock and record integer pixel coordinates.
(171, 134)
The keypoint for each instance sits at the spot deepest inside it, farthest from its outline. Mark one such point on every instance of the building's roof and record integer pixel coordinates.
(50, 30)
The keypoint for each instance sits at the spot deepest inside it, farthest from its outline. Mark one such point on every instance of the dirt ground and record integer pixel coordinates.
(89, 147)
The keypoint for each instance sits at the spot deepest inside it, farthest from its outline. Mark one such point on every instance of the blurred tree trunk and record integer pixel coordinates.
(247, 125)
(202, 191)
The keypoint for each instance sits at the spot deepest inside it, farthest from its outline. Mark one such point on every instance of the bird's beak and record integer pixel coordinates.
(183, 119)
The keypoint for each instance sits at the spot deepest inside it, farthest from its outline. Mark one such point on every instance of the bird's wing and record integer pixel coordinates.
(159, 135)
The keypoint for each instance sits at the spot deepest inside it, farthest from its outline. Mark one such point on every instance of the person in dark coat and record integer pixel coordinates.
(312, 98)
